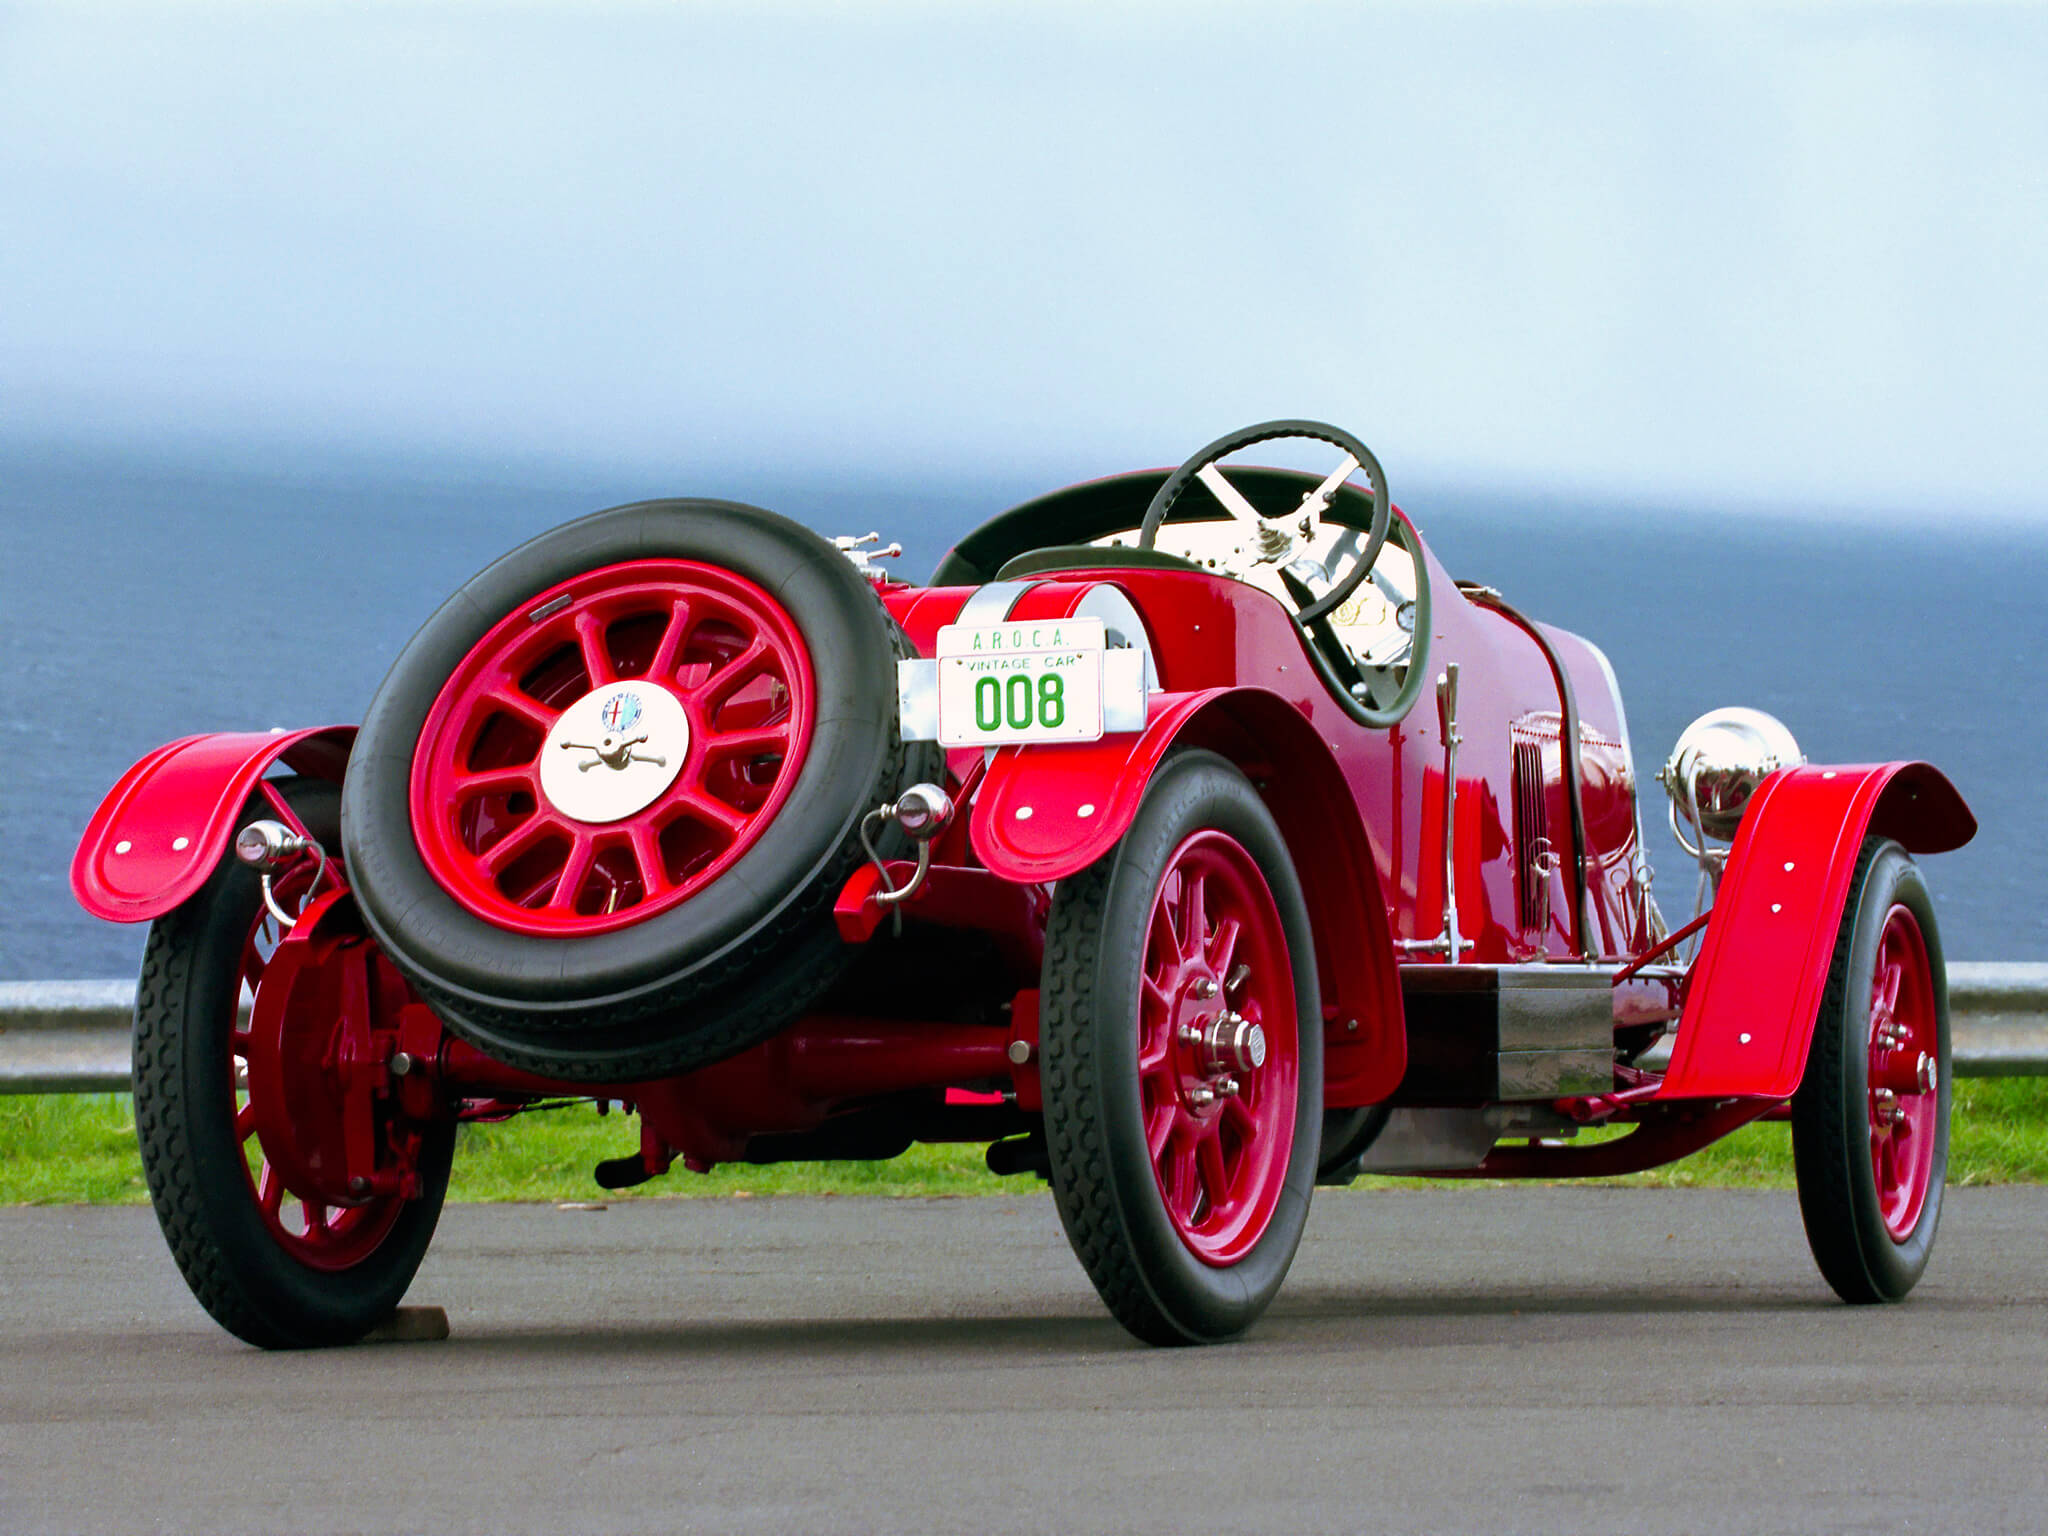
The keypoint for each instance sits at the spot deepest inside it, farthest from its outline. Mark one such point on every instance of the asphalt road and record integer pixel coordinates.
(1466, 1360)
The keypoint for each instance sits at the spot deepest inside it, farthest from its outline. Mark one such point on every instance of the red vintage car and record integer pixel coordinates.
(1190, 838)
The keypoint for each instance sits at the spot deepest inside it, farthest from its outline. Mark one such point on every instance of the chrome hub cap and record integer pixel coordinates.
(614, 751)
(1235, 1044)
(1219, 1050)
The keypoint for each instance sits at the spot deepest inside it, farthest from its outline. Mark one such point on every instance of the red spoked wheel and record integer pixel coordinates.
(1870, 1123)
(1903, 1096)
(602, 803)
(1180, 1025)
(272, 1268)
(314, 1233)
(1217, 1051)
(588, 768)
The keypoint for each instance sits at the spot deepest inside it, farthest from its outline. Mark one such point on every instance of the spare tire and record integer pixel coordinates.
(601, 805)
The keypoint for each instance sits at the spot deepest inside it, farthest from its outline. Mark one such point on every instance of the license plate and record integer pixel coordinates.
(1039, 680)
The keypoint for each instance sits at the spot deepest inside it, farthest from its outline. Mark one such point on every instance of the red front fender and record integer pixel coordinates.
(1756, 989)
(1046, 812)
(160, 831)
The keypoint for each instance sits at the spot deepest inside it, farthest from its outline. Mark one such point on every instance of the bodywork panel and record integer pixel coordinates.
(1365, 1037)
(1756, 988)
(1362, 806)
(159, 832)
(1049, 811)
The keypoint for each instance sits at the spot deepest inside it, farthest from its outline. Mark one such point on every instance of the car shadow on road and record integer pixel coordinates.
(1329, 1302)
(759, 1339)
(1328, 1314)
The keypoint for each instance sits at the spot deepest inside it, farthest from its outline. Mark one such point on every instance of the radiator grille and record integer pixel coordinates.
(1533, 857)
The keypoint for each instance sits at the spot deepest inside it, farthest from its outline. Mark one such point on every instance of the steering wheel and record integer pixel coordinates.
(1277, 536)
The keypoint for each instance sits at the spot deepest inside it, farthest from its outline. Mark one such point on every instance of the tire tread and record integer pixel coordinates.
(1106, 1193)
(1830, 1157)
(754, 991)
(196, 1186)
(1075, 1144)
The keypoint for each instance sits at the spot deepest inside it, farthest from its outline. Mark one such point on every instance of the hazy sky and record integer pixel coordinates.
(1789, 253)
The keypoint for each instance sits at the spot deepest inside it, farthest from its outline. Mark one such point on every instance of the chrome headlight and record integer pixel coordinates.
(1717, 765)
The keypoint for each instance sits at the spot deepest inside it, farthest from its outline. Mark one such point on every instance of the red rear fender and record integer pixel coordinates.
(1756, 989)
(163, 827)
(1046, 812)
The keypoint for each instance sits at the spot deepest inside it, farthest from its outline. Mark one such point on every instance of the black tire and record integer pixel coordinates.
(1839, 1197)
(184, 1120)
(1103, 1177)
(740, 958)
(1347, 1135)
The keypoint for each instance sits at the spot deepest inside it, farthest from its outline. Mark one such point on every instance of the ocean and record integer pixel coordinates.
(140, 602)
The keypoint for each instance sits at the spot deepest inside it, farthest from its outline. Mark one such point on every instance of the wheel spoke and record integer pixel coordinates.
(519, 840)
(1159, 1130)
(1153, 1049)
(1223, 945)
(1316, 500)
(575, 870)
(763, 738)
(597, 660)
(518, 705)
(1162, 942)
(245, 1122)
(496, 781)
(1194, 915)
(1215, 1177)
(713, 812)
(1231, 497)
(671, 644)
(1889, 977)
(1238, 1116)
(269, 1190)
(710, 695)
(1181, 1180)
(647, 854)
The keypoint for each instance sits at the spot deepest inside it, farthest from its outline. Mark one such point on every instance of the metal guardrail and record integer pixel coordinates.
(72, 1036)
(65, 1036)
(1998, 1019)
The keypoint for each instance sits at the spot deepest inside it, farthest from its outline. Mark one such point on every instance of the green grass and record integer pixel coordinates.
(66, 1149)
(1999, 1135)
(80, 1148)
(549, 1156)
